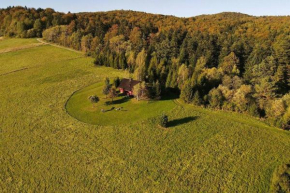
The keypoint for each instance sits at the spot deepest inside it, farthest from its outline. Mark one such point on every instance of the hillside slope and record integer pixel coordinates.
(228, 61)
(42, 148)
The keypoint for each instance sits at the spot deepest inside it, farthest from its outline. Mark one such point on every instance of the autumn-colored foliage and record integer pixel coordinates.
(228, 61)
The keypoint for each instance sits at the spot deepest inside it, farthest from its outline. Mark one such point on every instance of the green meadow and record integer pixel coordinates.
(53, 139)
(131, 110)
(14, 43)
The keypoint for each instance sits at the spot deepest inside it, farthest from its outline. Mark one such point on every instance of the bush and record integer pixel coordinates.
(215, 98)
(196, 99)
(187, 92)
(275, 108)
(94, 99)
(31, 33)
(276, 122)
(253, 109)
(163, 121)
(286, 117)
(281, 180)
(227, 105)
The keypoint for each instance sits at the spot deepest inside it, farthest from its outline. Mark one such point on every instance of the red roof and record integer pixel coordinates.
(128, 84)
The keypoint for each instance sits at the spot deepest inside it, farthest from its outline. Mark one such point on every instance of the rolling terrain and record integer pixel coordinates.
(44, 149)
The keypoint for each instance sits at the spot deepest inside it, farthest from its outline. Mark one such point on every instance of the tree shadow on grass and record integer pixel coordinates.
(112, 109)
(169, 96)
(177, 122)
(117, 102)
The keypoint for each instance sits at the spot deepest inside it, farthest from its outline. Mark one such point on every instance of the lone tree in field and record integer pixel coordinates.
(107, 87)
(112, 93)
(163, 122)
(94, 99)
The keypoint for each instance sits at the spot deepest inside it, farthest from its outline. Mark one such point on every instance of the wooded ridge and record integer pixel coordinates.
(228, 61)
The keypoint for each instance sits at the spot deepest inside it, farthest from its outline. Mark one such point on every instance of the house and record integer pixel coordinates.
(127, 85)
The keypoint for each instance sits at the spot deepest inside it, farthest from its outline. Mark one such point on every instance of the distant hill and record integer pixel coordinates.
(230, 15)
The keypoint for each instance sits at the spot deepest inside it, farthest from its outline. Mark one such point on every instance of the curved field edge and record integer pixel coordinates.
(80, 107)
(42, 148)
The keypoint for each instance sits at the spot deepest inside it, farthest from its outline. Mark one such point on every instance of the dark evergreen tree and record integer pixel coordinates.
(117, 82)
(157, 90)
(163, 121)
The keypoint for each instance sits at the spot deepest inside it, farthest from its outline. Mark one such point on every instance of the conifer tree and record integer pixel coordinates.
(187, 92)
(107, 87)
(157, 90)
(196, 98)
(117, 82)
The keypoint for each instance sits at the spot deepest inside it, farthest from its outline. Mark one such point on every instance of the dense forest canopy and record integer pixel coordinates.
(227, 61)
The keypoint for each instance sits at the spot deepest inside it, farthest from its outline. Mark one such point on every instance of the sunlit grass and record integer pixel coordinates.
(16, 42)
(80, 107)
(44, 149)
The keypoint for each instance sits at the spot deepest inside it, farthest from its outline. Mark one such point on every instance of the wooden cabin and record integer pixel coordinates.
(127, 86)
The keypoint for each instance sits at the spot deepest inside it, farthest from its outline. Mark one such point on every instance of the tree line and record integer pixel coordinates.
(228, 61)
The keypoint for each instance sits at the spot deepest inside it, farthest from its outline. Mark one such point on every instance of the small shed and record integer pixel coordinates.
(127, 86)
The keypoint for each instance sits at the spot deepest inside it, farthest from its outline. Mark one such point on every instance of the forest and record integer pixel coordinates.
(227, 61)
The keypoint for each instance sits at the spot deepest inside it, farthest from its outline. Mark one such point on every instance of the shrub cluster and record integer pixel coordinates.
(281, 179)
(163, 121)
(94, 99)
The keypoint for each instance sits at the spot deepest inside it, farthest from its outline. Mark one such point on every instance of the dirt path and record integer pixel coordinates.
(13, 71)
(55, 45)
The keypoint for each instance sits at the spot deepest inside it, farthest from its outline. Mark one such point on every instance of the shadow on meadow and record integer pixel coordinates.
(169, 96)
(181, 121)
(117, 102)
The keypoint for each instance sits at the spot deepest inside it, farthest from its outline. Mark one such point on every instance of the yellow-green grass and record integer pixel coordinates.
(33, 57)
(130, 110)
(44, 149)
(7, 43)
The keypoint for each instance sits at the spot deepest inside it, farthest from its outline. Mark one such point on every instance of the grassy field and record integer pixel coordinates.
(14, 43)
(80, 107)
(44, 149)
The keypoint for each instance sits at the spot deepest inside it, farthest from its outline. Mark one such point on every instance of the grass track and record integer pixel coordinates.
(42, 148)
